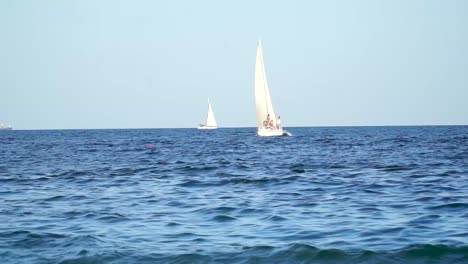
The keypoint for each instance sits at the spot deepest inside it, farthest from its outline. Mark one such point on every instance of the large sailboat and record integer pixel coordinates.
(210, 122)
(267, 123)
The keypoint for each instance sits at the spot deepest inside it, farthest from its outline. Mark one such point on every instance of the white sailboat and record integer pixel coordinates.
(210, 119)
(267, 123)
(8, 127)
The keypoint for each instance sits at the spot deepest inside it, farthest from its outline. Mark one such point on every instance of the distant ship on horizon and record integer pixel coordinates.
(8, 127)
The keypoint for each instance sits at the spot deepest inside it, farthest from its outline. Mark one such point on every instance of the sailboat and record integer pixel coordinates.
(267, 123)
(8, 127)
(210, 119)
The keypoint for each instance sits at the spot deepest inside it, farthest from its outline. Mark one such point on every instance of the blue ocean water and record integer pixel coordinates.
(324, 195)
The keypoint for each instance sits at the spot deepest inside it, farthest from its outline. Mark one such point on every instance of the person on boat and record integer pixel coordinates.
(271, 124)
(278, 122)
(267, 121)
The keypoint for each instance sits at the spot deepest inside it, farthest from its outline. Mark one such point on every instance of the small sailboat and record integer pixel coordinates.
(8, 127)
(267, 123)
(210, 119)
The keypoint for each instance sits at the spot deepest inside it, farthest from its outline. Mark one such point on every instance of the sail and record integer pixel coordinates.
(210, 119)
(262, 93)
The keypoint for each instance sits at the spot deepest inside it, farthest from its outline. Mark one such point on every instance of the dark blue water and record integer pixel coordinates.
(324, 195)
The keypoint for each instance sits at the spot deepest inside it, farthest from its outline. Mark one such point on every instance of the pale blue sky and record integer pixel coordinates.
(132, 64)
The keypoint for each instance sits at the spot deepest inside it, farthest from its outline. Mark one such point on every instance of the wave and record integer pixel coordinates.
(233, 180)
(112, 218)
(394, 168)
(62, 198)
(27, 239)
(224, 218)
(450, 206)
(293, 253)
(218, 209)
(275, 218)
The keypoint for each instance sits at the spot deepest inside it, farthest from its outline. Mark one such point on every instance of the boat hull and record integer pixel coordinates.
(270, 132)
(207, 127)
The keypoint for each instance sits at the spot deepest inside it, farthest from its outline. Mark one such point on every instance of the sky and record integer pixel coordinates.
(153, 64)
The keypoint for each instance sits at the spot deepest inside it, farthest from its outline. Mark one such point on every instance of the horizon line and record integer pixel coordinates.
(317, 126)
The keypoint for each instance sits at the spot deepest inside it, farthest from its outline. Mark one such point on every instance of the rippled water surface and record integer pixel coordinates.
(324, 195)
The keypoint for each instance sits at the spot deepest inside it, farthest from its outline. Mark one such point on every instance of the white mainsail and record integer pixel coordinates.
(210, 119)
(262, 93)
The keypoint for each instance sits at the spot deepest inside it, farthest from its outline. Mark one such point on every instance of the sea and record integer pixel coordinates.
(323, 195)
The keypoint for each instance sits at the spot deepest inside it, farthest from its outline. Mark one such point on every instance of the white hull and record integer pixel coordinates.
(270, 132)
(8, 127)
(207, 127)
